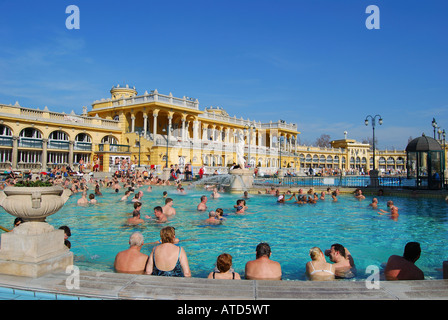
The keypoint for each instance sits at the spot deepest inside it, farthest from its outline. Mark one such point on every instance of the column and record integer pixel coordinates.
(15, 151)
(70, 153)
(213, 132)
(44, 154)
(155, 125)
(183, 129)
(169, 128)
(204, 131)
(195, 130)
(145, 124)
(132, 123)
(227, 136)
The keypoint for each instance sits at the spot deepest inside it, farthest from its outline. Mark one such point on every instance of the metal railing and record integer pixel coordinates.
(334, 181)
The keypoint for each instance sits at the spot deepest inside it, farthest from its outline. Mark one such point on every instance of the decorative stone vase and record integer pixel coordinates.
(34, 248)
(33, 203)
(243, 179)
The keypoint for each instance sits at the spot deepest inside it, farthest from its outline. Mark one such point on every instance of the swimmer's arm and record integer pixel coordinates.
(149, 265)
(349, 257)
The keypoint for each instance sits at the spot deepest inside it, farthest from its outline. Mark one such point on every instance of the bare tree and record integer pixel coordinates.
(323, 141)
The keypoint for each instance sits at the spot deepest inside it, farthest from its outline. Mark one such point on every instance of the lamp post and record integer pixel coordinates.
(444, 157)
(380, 121)
(280, 151)
(434, 125)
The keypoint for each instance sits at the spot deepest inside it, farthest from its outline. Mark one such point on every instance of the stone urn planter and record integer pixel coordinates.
(34, 248)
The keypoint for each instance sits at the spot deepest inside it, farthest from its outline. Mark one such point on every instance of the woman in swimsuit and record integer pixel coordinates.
(318, 268)
(224, 265)
(167, 259)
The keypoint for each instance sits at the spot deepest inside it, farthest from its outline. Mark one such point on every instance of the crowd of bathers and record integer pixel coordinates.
(169, 259)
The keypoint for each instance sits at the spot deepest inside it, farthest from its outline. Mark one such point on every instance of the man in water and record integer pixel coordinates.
(263, 268)
(132, 260)
(135, 219)
(212, 218)
(83, 200)
(343, 263)
(393, 213)
(404, 268)
(168, 209)
(202, 206)
(160, 216)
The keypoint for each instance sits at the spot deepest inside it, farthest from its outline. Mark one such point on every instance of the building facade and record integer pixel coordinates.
(156, 130)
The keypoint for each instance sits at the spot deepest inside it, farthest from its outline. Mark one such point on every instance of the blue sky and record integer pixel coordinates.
(311, 62)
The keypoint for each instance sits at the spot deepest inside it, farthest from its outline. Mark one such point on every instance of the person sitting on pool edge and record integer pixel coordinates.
(224, 266)
(343, 263)
(167, 259)
(318, 268)
(132, 260)
(263, 268)
(404, 268)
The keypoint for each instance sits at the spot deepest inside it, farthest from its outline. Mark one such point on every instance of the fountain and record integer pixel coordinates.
(33, 248)
(240, 179)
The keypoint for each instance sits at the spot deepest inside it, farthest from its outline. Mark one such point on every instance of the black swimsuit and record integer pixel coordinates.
(233, 275)
(176, 272)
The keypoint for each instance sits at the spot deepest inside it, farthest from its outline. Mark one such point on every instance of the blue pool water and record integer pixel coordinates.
(99, 231)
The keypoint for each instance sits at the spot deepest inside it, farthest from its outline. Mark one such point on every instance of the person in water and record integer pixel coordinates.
(167, 259)
(132, 260)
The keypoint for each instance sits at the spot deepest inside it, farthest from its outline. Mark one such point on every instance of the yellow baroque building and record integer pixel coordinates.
(156, 130)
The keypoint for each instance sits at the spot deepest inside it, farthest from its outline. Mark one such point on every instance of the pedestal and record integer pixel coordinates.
(34, 249)
(374, 183)
(243, 179)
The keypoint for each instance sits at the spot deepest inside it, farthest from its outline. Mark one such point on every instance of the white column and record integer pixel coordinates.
(169, 128)
(145, 124)
(155, 126)
(133, 123)
(204, 133)
(195, 131)
(183, 130)
(227, 136)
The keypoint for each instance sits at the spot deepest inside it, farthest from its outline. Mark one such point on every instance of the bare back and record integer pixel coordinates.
(131, 261)
(263, 269)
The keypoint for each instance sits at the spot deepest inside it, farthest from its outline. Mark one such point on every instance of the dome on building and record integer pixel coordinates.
(118, 92)
(217, 111)
(423, 143)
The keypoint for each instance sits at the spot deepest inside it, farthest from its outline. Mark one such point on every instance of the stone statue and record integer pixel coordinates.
(240, 151)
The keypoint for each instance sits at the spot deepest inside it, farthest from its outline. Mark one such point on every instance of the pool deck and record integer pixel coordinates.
(116, 286)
